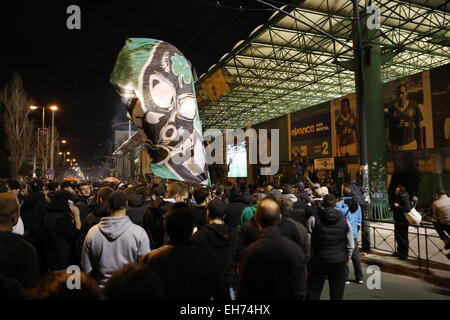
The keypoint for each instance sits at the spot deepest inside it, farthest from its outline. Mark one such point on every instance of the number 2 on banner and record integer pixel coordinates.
(325, 147)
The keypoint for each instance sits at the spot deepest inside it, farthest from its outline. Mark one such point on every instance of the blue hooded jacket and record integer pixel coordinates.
(354, 218)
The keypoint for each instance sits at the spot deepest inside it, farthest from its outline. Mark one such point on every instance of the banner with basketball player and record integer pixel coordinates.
(344, 125)
(409, 117)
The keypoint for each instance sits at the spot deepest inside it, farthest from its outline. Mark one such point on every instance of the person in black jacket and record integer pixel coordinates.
(303, 209)
(153, 222)
(18, 258)
(400, 205)
(220, 241)
(186, 270)
(298, 234)
(136, 208)
(32, 212)
(199, 209)
(272, 267)
(332, 247)
(235, 207)
(62, 236)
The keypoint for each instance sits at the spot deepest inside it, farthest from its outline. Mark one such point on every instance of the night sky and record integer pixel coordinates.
(71, 68)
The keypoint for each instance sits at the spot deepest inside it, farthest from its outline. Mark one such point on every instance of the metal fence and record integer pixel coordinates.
(424, 243)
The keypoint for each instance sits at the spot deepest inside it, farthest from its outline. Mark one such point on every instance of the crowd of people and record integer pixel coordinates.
(184, 241)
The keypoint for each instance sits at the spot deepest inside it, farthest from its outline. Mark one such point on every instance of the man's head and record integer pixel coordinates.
(441, 192)
(319, 193)
(103, 194)
(118, 201)
(345, 107)
(178, 191)
(14, 186)
(287, 189)
(179, 222)
(9, 210)
(69, 186)
(329, 201)
(402, 94)
(400, 190)
(54, 186)
(267, 213)
(216, 209)
(200, 195)
(37, 186)
(286, 206)
(85, 189)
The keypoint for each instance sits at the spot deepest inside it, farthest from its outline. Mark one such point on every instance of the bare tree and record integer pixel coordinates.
(18, 127)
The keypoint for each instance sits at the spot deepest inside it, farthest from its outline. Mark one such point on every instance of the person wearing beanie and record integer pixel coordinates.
(114, 242)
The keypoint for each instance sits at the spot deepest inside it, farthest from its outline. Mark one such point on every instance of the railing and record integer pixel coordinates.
(424, 243)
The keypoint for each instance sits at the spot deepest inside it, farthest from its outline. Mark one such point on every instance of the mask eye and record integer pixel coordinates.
(188, 107)
(162, 91)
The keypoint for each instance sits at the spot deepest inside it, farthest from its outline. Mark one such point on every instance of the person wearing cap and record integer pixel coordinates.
(219, 240)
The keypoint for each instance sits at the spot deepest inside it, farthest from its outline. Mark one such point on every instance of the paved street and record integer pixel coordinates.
(393, 287)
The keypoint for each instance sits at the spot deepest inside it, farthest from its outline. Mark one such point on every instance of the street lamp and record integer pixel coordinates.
(52, 143)
(43, 129)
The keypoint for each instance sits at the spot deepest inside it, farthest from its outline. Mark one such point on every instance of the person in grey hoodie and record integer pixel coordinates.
(113, 242)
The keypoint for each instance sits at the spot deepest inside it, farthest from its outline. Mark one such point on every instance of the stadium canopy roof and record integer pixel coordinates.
(284, 65)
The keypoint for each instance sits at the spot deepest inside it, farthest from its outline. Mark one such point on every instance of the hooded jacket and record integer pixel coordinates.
(234, 210)
(112, 243)
(331, 237)
(18, 259)
(221, 241)
(353, 217)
